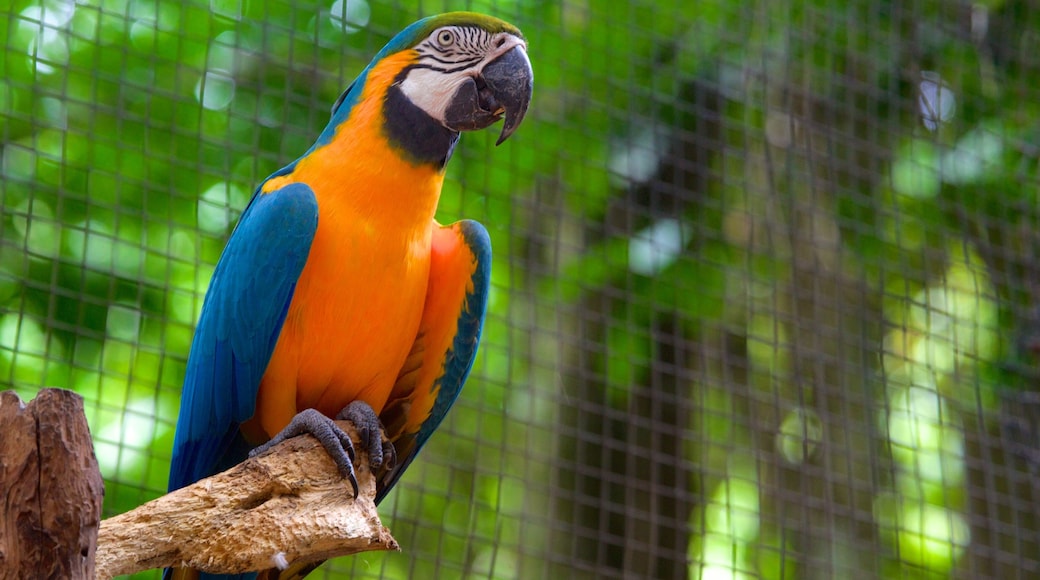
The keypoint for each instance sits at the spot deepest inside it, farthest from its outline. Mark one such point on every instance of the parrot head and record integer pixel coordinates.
(459, 71)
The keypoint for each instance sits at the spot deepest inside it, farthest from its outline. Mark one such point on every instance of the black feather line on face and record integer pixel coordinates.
(469, 41)
(420, 138)
(451, 58)
(441, 70)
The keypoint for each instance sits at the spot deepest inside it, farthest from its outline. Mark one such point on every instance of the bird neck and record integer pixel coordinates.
(376, 95)
(413, 133)
(389, 169)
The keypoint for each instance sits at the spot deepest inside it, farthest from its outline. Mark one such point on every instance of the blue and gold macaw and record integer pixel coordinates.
(338, 294)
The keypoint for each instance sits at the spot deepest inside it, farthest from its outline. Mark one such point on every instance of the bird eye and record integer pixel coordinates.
(445, 38)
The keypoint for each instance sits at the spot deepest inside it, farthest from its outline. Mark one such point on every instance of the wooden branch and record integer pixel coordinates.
(50, 487)
(287, 506)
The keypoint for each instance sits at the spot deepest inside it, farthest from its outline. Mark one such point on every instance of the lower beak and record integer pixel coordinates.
(503, 88)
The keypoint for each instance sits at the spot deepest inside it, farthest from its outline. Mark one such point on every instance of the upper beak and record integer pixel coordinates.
(504, 87)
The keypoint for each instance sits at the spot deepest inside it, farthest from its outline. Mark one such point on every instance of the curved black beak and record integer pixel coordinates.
(504, 87)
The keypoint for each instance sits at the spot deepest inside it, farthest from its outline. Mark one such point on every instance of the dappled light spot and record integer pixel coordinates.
(926, 438)
(956, 318)
(215, 91)
(799, 435)
(225, 53)
(732, 522)
(935, 101)
(123, 322)
(219, 205)
(56, 114)
(34, 221)
(350, 16)
(48, 47)
(636, 158)
(123, 441)
(76, 244)
(19, 161)
(189, 288)
(944, 330)
(657, 247)
(28, 350)
(975, 156)
(926, 534)
(495, 562)
(915, 171)
(764, 332)
(143, 34)
(921, 166)
(734, 509)
(22, 334)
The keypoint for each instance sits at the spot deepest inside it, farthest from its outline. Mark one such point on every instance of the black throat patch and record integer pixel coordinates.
(420, 138)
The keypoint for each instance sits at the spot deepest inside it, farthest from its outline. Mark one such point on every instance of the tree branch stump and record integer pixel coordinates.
(287, 506)
(50, 485)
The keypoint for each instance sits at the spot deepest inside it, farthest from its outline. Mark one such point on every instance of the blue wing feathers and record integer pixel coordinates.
(471, 322)
(248, 298)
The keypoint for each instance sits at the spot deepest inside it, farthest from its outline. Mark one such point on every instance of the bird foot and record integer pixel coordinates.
(381, 454)
(336, 443)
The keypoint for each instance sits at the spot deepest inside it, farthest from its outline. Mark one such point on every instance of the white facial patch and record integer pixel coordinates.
(432, 90)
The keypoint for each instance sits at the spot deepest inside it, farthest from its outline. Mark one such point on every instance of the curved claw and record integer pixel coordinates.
(336, 443)
(370, 431)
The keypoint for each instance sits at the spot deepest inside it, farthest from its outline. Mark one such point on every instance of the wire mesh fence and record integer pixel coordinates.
(764, 288)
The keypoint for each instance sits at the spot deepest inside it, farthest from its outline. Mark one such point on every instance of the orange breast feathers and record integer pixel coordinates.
(359, 301)
(451, 279)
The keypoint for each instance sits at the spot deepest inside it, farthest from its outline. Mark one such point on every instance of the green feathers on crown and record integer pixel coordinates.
(419, 30)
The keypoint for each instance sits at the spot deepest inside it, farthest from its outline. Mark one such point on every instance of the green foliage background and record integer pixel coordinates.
(764, 282)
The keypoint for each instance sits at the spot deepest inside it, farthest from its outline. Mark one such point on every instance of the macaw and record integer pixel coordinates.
(338, 294)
